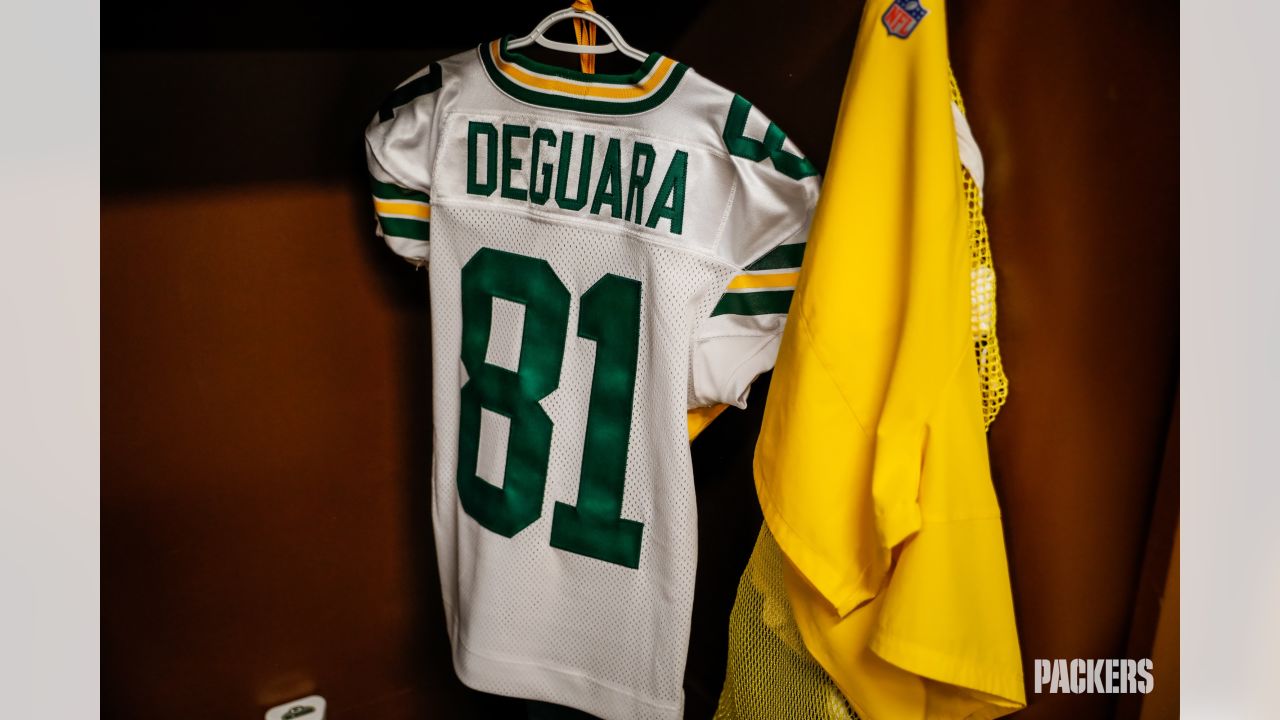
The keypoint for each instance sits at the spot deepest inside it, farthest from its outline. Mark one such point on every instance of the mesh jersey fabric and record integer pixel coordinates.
(605, 252)
(871, 465)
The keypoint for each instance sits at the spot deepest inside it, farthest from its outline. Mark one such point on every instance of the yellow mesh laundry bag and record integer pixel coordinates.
(982, 311)
(770, 676)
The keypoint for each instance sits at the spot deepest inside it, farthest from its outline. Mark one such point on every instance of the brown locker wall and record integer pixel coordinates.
(266, 434)
(1075, 106)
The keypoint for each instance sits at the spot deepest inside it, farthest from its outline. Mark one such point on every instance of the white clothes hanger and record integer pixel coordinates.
(618, 44)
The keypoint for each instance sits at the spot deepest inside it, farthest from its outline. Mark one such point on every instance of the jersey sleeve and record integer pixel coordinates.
(400, 148)
(765, 228)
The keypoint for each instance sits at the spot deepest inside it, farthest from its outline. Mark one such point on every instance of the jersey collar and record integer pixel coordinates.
(537, 83)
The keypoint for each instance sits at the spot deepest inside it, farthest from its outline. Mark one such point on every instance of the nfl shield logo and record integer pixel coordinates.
(903, 16)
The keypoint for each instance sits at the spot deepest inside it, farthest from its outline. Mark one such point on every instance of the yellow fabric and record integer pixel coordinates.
(871, 467)
(700, 418)
(769, 673)
(586, 34)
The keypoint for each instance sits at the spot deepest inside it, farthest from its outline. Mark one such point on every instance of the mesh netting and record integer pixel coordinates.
(982, 296)
(770, 675)
(982, 307)
(955, 93)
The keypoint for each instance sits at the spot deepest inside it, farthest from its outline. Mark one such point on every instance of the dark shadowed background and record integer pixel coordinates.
(265, 362)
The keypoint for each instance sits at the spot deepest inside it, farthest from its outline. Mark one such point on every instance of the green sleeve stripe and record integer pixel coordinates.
(783, 256)
(754, 303)
(409, 92)
(387, 191)
(405, 228)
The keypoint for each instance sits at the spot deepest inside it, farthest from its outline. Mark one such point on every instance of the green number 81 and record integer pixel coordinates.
(610, 316)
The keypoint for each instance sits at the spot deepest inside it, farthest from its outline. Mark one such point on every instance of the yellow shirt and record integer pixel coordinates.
(871, 466)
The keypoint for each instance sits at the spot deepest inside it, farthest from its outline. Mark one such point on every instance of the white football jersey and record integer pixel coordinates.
(605, 252)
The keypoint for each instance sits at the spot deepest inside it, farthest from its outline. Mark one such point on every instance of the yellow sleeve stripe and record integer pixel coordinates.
(402, 208)
(769, 280)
